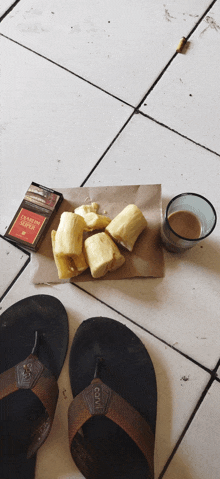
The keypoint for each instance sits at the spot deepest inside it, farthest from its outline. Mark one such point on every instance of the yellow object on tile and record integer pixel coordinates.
(102, 254)
(127, 226)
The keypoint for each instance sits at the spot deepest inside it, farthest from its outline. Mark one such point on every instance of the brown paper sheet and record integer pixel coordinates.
(146, 259)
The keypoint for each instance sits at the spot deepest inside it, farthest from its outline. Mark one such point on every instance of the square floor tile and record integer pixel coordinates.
(198, 454)
(120, 46)
(187, 97)
(183, 307)
(180, 382)
(55, 127)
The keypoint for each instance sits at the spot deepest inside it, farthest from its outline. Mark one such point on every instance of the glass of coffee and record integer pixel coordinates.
(189, 218)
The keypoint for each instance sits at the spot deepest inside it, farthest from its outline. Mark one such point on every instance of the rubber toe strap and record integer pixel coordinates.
(99, 399)
(32, 374)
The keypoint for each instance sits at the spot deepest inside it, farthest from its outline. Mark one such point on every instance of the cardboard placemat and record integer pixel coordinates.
(146, 259)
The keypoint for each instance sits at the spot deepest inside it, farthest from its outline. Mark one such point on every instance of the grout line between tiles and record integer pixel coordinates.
(201, 19)
(157, 80)
(9, 10)
(211, 372)
(201, 399)
(21, 270)
(66, 69)
(136, 109)
(135, 112)
(174, 55)
(178, 133)
(107, 149)
(217, 367)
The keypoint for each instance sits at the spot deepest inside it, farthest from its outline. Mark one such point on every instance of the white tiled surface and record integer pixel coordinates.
(189, 461)
(119, 46)
(12, 260)
(55, 128)
(187, 97)
(60, 125)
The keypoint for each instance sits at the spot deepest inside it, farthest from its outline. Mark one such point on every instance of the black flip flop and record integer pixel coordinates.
(33, 346)
(112, 418)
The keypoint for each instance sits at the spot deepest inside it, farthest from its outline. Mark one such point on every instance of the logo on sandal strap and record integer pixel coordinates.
(28, 372)
(97, 396)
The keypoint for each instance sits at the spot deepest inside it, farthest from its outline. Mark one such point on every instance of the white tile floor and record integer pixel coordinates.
(93, 93)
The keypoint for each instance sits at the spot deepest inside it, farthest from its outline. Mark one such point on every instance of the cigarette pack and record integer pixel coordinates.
(34, 216)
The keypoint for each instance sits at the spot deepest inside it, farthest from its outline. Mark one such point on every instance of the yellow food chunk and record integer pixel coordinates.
(68, 266)
(102, 254)
(127, 226)
(96, 222)
(69, 235)
(80, 262)
(65, 264)
(92, 219)
(84, 209)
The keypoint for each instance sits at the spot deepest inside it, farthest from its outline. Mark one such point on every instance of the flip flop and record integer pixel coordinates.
(33, 346)
(112, 417)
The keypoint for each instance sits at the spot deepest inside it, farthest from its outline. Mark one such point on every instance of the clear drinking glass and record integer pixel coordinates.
(189, 218)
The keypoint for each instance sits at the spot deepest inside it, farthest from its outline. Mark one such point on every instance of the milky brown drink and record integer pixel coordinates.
(185, 224)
